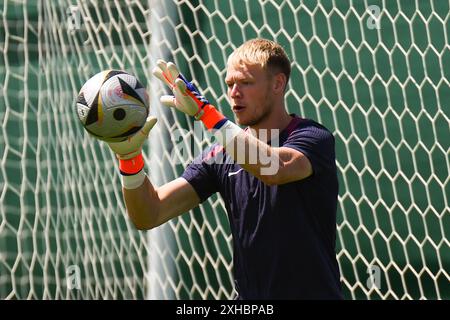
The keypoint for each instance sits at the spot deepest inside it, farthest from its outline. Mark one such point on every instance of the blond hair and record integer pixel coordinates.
(268, 54)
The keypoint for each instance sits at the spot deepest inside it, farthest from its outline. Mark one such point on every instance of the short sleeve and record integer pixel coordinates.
(201, 176)
(317, 144)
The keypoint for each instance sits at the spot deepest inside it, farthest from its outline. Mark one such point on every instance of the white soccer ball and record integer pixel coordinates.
(112, 105)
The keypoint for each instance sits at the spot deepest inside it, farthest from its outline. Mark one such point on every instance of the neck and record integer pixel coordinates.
(279, 119)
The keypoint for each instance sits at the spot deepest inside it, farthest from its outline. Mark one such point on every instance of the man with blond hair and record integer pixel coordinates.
(278, 178)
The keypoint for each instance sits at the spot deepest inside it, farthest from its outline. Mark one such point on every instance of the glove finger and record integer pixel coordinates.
(183, 78)
(149, 123)
(161, 64)
(190, 85)
(180, 86)
(157, 72)
(172, 70)
(138, 139)
(168, 101)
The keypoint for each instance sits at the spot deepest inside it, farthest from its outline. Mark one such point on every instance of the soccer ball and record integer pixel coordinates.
(112, 105)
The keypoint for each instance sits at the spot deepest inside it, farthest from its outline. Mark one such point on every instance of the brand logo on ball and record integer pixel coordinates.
(118, 92)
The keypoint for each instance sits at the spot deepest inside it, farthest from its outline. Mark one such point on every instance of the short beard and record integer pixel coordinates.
(255, 121)
(266, 113)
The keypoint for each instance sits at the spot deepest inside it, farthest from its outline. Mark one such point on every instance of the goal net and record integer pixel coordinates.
(374, 72)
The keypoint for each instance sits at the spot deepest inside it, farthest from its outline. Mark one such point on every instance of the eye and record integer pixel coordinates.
(246, 82)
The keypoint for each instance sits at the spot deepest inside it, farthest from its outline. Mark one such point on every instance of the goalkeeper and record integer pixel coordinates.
(280, 192)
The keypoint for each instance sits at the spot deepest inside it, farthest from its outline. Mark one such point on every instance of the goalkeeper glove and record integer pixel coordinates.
(129, 153)
(186, 96)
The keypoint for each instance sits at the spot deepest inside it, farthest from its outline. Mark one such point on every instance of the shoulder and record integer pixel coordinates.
(302, 128)
(212, 154)
(211, 158)
(202, 165)
(314, 141)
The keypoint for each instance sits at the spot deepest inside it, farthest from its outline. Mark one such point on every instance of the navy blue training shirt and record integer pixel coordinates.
(283, 235)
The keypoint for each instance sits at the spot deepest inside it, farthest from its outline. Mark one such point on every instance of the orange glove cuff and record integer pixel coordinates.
(131, 166)
(211, 116)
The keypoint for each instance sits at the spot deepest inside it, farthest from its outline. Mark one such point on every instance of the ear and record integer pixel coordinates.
(279, 83)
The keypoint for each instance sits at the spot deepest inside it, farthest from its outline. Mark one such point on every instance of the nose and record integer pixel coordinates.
(235, 92)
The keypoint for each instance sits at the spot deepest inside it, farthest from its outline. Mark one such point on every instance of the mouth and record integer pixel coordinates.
(238, 109)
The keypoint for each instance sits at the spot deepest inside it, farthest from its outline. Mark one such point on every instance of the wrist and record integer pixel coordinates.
(212, 118)
(227, 132)
(132, 166)
(134, 181)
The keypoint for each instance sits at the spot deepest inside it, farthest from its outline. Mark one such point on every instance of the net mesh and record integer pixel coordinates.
(373, 72)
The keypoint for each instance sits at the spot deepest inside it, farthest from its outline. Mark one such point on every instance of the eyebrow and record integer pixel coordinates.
(235, 78)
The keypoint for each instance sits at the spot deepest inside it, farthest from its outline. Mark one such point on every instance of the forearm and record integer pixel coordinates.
(142, 205)
(271, 164)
